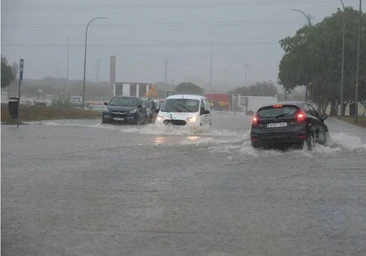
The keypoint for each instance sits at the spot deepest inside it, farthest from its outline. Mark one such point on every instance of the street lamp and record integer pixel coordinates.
(342, 72)
(358, 62)
(67, 68)
(225, 70)
(307, 16)
(86, 42)
(309, 23)
(246, 66)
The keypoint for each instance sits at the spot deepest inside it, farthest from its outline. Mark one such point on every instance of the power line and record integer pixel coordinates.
(169, 24)
(169, 6)
(188, 44)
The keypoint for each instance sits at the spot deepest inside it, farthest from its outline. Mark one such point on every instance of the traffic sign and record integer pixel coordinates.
(21, 68)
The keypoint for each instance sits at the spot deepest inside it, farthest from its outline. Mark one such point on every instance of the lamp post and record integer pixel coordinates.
(225, 70)
(67, 68)
(342, 72)
(86, 42)
(246, 66)
(309, 24)
(358, 62)
(211, 65)
(307, 16)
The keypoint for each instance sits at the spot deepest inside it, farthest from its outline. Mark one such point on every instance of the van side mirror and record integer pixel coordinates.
(323, 117)
(206, 112)
(156, 110)
(106, 103)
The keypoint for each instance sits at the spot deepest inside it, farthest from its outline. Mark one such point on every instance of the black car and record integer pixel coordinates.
(288, 123)
(125, 109)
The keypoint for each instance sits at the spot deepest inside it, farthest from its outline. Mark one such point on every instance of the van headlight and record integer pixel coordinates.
(106, 109)
(133, 111)
(160, 118)
(192, 119)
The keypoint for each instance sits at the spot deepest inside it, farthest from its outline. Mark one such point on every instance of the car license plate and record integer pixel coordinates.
(275, 125)
(118, 119)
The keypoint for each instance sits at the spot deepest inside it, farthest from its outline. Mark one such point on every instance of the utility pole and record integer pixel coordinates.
(342, 72)
(21, 70)
(211, 65)
(358, 62)
(225, 70)
(246, 66)
(67, 68)
(166, 71)
(98, 68)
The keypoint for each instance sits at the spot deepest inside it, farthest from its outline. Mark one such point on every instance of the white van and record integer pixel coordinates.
(185, 110)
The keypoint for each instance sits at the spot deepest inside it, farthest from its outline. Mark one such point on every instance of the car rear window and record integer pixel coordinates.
(285, 110)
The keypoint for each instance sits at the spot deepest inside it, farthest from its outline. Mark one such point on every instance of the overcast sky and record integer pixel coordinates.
(143, 33)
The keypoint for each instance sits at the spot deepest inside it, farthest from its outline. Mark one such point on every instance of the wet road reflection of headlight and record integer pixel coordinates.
(194, 138)
(159, 140)
(192, 119)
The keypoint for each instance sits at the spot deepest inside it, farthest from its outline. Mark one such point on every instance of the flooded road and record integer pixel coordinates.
(77, 187)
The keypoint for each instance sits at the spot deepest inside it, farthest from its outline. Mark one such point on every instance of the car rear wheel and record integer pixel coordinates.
(256, 146)
(310, 141)
(138, 121)
(327, 138)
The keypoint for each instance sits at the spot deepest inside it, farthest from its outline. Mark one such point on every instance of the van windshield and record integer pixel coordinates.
(180, 105)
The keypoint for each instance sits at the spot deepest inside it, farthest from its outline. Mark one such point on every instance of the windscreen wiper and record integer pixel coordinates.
(284, 114)
(183, 107)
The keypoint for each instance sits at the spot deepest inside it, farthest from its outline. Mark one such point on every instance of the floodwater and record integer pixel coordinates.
(79, 187)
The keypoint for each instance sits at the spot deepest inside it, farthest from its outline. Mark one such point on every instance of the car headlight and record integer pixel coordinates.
(106, 109)
(192, 119)
(133, 111)
(160, 118)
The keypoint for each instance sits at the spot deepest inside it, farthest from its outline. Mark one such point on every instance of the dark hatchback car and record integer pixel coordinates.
(288, 124)
(125, 109)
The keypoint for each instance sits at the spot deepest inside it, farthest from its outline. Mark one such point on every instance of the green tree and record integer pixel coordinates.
(188, 88)
(257, 89)
(7, 75)
(313, 57)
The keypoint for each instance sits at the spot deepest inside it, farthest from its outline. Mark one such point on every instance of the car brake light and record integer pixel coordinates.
(255, 120)
(301, 116)
(277, 106)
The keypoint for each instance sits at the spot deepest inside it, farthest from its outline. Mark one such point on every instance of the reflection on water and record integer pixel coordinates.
(159, 140)
(194, 138)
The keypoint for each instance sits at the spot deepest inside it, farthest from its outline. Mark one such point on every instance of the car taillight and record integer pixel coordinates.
(301, 116)
(255, 120)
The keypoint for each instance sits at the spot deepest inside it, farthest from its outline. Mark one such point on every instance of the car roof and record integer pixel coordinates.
(186, 96)
(294, 103)
(132, 97)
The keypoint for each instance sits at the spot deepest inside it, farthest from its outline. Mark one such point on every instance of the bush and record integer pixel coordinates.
(60, 103)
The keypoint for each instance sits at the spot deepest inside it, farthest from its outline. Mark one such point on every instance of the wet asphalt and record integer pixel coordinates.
(77, 187)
